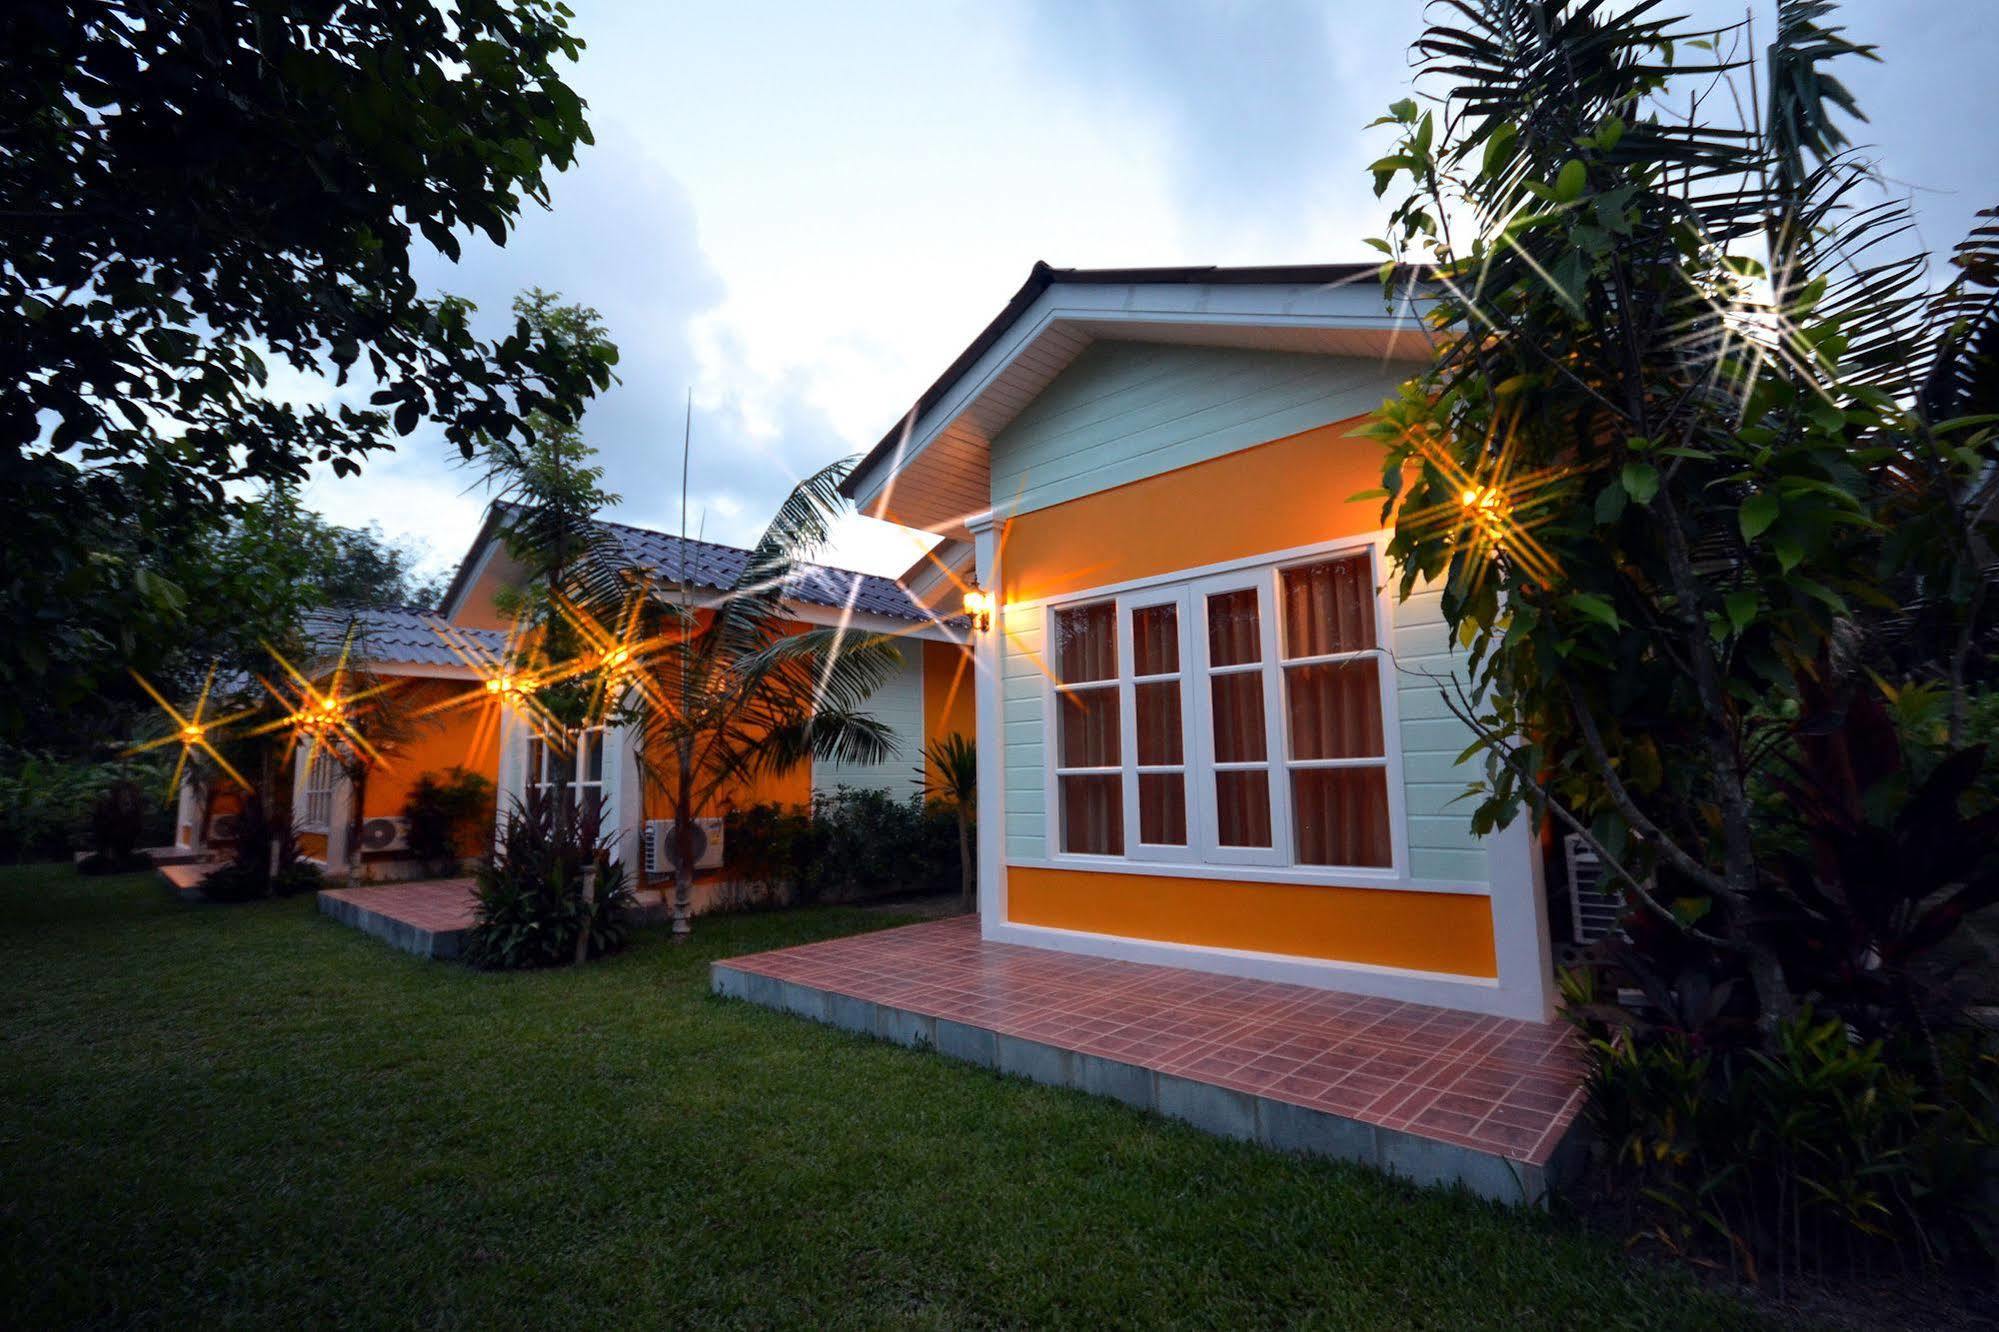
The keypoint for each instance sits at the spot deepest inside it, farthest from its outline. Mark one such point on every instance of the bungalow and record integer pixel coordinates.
(429, 661)
(1209, 733)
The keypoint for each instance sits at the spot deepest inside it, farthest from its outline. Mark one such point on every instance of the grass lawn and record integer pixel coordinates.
(253, 1115)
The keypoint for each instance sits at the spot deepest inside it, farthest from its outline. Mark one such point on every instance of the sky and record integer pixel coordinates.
(799, 213)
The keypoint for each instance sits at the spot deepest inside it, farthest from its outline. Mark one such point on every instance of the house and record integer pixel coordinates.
(436, 666)
(1209, 733)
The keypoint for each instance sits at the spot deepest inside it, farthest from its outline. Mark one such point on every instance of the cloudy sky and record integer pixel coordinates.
(801, 212)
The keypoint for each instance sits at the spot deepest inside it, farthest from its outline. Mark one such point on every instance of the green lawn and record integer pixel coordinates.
(253, 1115)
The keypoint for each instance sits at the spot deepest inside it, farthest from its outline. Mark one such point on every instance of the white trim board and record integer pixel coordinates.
(1440, 989)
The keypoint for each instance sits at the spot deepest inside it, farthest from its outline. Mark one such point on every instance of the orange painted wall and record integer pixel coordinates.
(1444, 932)
(1289, 492)
(950, 700)
(465, 738)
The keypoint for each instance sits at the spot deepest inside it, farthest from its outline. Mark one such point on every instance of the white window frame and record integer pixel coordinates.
(539, 754)
(1188, 591)
(1058, 693)
(322, 779)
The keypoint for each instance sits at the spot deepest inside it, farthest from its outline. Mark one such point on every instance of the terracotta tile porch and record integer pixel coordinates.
(428, 917)
(1437, 1095)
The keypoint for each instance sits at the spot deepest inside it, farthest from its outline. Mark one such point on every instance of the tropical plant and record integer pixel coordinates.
(1682, 427)
(848, 845)
(46, 802)
(550, 895)
(445, 816)
(955, 760)
(190, 189)
(117, 822)
(265, 859)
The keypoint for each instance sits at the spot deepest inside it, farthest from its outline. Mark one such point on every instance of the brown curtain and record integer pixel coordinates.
(1329, 607)
(1155, 640)
(1093, 815)
(1242, 801)
(1341, 816)
(1086, 643)
(1158, 708)
(1162, 808)
(1335, 709)
(1238, 709)
(1234, 636)
(1089, 722)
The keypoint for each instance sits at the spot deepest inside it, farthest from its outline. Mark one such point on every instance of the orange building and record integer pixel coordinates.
(1210, 734)
(432, 669)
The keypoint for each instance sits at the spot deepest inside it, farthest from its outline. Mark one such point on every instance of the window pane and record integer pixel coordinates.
(1238, 699)
(1329, 607)
(1234, 635)
(1086, 643)
(1155, 640)
(1089, 728)
(593, 752)
(535, 750)
(1342, 816)
(1242, 799)
(1162, 808)
(1335, 709)
(561, 765)
(1158, 721)
(1093, 815)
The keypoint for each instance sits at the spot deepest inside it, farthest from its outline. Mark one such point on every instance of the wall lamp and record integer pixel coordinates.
(979, 608)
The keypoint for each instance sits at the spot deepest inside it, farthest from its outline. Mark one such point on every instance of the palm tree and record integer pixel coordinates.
(956, 761)
(722, 687)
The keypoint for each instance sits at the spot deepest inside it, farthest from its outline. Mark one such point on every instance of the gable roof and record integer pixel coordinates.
(390, 638)
(1335, 308)
(713, 567)
(716, 568)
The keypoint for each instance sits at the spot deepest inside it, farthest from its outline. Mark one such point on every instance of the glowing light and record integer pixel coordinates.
(190, 732)
(979, 607)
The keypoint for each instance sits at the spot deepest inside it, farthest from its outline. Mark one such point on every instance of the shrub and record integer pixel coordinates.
(117, 823)
(1827, 1154)
(46, 803)
(444, 816)
(532, 911)
(849, 846)
(265, 861)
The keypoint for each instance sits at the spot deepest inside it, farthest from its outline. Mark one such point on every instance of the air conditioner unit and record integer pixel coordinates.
(385, 834)
(661, 844)
(1594, 908)
(225, 827)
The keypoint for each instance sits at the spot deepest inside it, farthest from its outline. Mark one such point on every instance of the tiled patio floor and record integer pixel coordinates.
(429, 917)
(1434, 1092)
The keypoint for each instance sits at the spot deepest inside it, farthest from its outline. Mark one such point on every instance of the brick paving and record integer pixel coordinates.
(1497, 1086)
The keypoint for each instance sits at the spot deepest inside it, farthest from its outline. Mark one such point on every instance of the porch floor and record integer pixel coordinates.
(1435, 1094)
(428, 917)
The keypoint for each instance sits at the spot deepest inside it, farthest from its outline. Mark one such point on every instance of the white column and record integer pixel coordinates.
(624, 796)
(339, 826)
(187, 816)
(1520, 920)
(987, 663)
(509, 780)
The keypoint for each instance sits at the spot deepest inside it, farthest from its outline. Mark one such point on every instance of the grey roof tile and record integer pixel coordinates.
(394, 637)
(717, 567)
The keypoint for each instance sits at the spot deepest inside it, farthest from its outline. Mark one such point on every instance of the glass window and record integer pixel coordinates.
(1089, 773)
(1230, 720)
(322, 771)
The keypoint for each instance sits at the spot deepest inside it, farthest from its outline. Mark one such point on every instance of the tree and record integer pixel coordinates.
(359, 567)
(955, 759)
(190, 190)
(1676, 437)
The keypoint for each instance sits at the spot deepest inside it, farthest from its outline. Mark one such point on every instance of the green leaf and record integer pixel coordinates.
(1499, 149)
(1569, 184)
(1756, 515)
(1610, 503)
(1741, 605)
(1641, 481)
(1596, 607)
